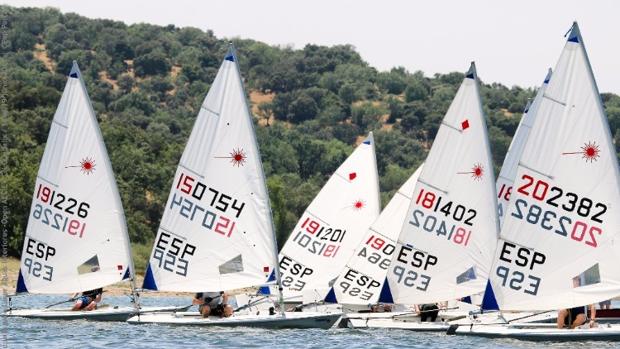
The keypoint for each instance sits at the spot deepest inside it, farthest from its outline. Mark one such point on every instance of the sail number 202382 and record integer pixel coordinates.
(584, 231)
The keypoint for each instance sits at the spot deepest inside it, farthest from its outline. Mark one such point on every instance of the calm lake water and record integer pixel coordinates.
(28, 333)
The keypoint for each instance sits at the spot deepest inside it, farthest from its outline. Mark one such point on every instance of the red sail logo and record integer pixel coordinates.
(476, 172)
(87, 165)
(590, 151)
(237, 157)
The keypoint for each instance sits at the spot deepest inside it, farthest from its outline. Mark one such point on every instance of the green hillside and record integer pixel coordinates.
(147, 83)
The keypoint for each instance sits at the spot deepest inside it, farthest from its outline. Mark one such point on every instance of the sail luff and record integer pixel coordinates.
(276, 267)
(127, 241)
(488, 152)
(375, 169)
(506, 178)
(599, 101)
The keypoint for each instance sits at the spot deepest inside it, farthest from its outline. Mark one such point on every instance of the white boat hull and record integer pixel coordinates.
(398, 320)
(515, 318)
(101, 314)
(289, 320)
(539, 333)
(411, 321)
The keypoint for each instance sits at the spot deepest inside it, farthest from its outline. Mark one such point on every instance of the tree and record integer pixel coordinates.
(309, 154)
(152, 63)
(348, 93)
(302, 108)
(32, 97)
(416, 91)
(125, 83)
(366, 115)
(394, 81)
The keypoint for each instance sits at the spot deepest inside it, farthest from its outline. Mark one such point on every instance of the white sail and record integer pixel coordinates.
(216, 232)
(507, 175)
(446, 244)
(76, 238)
(362, 279)
(332, 225)
(559, 243)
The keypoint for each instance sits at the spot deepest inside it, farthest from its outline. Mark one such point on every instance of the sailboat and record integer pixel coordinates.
(76, 239)
(445, 241)
(361, 280)
(507, 174)
(504, 186)
(331, 227)
(217, 233)
(459, 311)
(359, 285)
(558, 244)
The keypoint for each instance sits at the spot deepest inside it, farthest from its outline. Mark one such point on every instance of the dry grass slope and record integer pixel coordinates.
(40, 53)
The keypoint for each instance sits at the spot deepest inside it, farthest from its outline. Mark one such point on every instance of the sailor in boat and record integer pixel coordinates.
(88, 300)
(213, 304)
(427, 312)
(575, 317)
(381, 308)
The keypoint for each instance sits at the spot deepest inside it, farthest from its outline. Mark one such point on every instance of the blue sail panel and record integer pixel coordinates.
(127, 274)
(386, 294)
(21, 285)
(331, 296)
(149, 279)
(488, 301)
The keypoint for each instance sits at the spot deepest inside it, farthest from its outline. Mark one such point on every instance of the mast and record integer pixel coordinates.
(374, 157)
(232, 53)
(132, 282)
